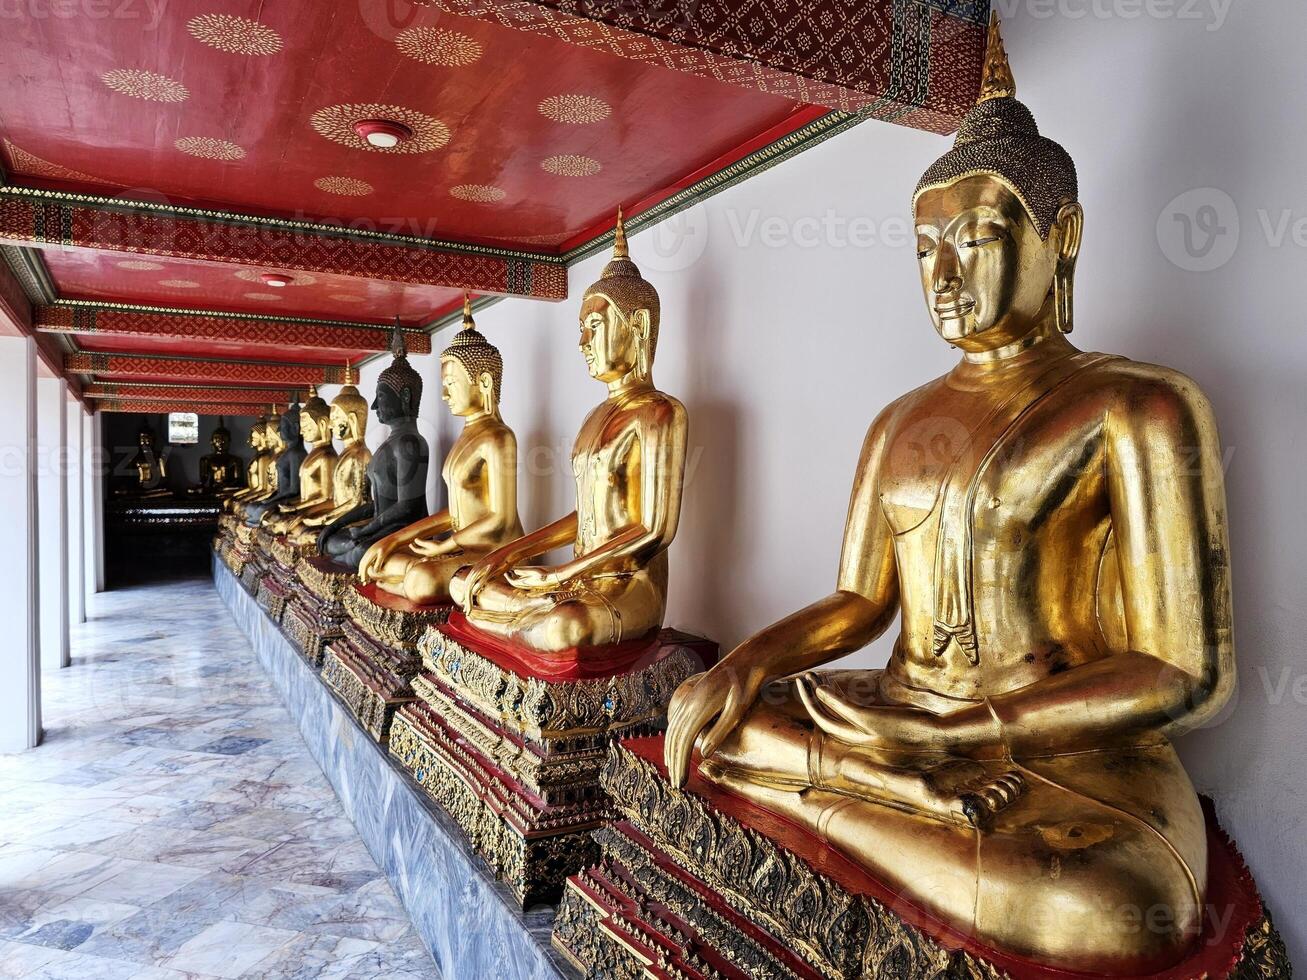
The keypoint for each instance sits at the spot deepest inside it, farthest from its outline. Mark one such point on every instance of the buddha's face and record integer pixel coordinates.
(220, 441)
(272, 435)
(463, 394)
(145, 439)
(313, 427)
(390, 405)
(987, 274)
(610, 342)
(256, 438)
(340, 426)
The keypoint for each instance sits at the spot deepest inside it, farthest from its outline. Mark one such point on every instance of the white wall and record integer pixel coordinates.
(792, 313)
(52, 484)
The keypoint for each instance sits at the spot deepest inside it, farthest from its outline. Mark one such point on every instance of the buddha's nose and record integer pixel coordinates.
(947, 275)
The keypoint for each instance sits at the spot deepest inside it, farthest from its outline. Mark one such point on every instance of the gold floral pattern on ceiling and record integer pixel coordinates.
(344, 186)
(263, 296)
(478, 193)
(336, 123)
(571, 165)
(345, 298)
(209, 148)
(145, 85)
(139, 265)
(34, 166)
(235, 35)
(435, 46)
(256, 275)
(575, 109)
(179, 284)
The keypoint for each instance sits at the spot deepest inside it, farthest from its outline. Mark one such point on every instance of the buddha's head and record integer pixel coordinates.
(289, 427)
(145, 438)
(399, 387)
(471, 370)
(272, 439)
(619, 318)
(258, 434)
(221, 438)
(315, 418)
(349, 411)
(998, 222)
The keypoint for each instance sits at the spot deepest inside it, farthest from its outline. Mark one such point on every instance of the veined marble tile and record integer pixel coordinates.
(22, 960)
(66, 923)
(228, 949)
(143, 882)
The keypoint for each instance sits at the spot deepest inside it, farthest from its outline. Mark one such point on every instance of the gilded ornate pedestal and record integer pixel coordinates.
(512, 747)
(315, 612)
(698, 883)
(372, 665)
(281, 583)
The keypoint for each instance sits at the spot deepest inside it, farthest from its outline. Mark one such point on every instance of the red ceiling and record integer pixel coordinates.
(660, 124)
(85, 274)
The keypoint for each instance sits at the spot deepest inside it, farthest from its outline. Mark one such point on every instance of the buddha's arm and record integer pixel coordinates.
(662, 475)
(864, 604)
(501, 500)
(1167, 499)
(499, 561)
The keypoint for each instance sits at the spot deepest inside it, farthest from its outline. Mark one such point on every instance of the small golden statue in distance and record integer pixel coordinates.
(480, 475)
(1050, 527)
(257, 469)
(221, 471)
(315, 472)
(629, 464)
(151, 474)
(273, 445)
(348, 423)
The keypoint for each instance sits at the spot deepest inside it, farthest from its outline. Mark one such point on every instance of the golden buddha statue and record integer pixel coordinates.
(221, 471)
(629, 465)
(348, 419)
(480, 475)
(273, 445)
(290, 458)
(1050, 526)
(257, 470)
(151, 470)
(315, 472)
(397, 472)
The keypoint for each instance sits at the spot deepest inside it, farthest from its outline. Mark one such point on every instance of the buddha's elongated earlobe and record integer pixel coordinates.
(1068, 227)
(640, 330)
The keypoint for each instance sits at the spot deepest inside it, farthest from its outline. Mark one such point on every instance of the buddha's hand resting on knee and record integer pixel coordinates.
(893, 726)
(439, 548)
(533, 578)
(374, 560)
(725, 693)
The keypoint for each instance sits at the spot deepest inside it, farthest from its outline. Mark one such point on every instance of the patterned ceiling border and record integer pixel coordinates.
(164, 407)
(120, 319)
(203, 369)
(188, 393)
(29, 268)
(848, 57)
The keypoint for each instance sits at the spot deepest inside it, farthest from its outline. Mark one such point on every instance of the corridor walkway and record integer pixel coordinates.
(174, 825)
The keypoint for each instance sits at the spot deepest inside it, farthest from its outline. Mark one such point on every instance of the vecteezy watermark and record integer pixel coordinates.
(1199, 230)
(148, 11)
(828, 230)
(1210, 13)
(675, 243)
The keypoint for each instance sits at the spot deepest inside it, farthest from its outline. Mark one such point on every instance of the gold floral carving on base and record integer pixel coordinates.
(392, 627)
(540, 709)
(371, 678)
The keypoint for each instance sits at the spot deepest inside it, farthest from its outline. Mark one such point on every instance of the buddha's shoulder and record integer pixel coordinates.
(1138, 385)
(655, 405)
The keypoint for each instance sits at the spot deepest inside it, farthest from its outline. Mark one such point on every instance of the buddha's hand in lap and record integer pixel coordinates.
(374, 560)
(533, 578)
(724, 693)
(428, 548)
(859, 722)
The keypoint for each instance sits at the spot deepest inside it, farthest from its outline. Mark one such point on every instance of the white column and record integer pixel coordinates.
(97, 469)
(76, 512)
(52, 433)
(20, 654)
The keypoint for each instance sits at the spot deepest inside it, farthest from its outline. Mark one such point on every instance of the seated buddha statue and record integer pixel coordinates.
(150, 471)
(256, 472)
(348, 421)
(629, 465)
(397, 474)
(1049, 527)
(221, 471)
(286, 467)
(315, 471)
(480, 475)
(273, 445)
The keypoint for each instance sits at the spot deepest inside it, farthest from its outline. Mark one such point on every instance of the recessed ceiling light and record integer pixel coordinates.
(273, 279)
(382, 133)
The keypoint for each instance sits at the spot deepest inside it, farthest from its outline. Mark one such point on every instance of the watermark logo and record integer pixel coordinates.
(675, 243)
(1198, 231)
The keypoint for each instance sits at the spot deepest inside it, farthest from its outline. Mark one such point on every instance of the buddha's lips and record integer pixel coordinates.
(954, 311)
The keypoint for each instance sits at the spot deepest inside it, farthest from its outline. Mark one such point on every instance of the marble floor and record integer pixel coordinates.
(174, 825)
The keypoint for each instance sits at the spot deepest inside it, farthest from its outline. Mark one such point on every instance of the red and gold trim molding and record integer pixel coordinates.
(34, 216)
(259, 397)
(200, 369)
(163, 407)
(115, 319)
(912, 62)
